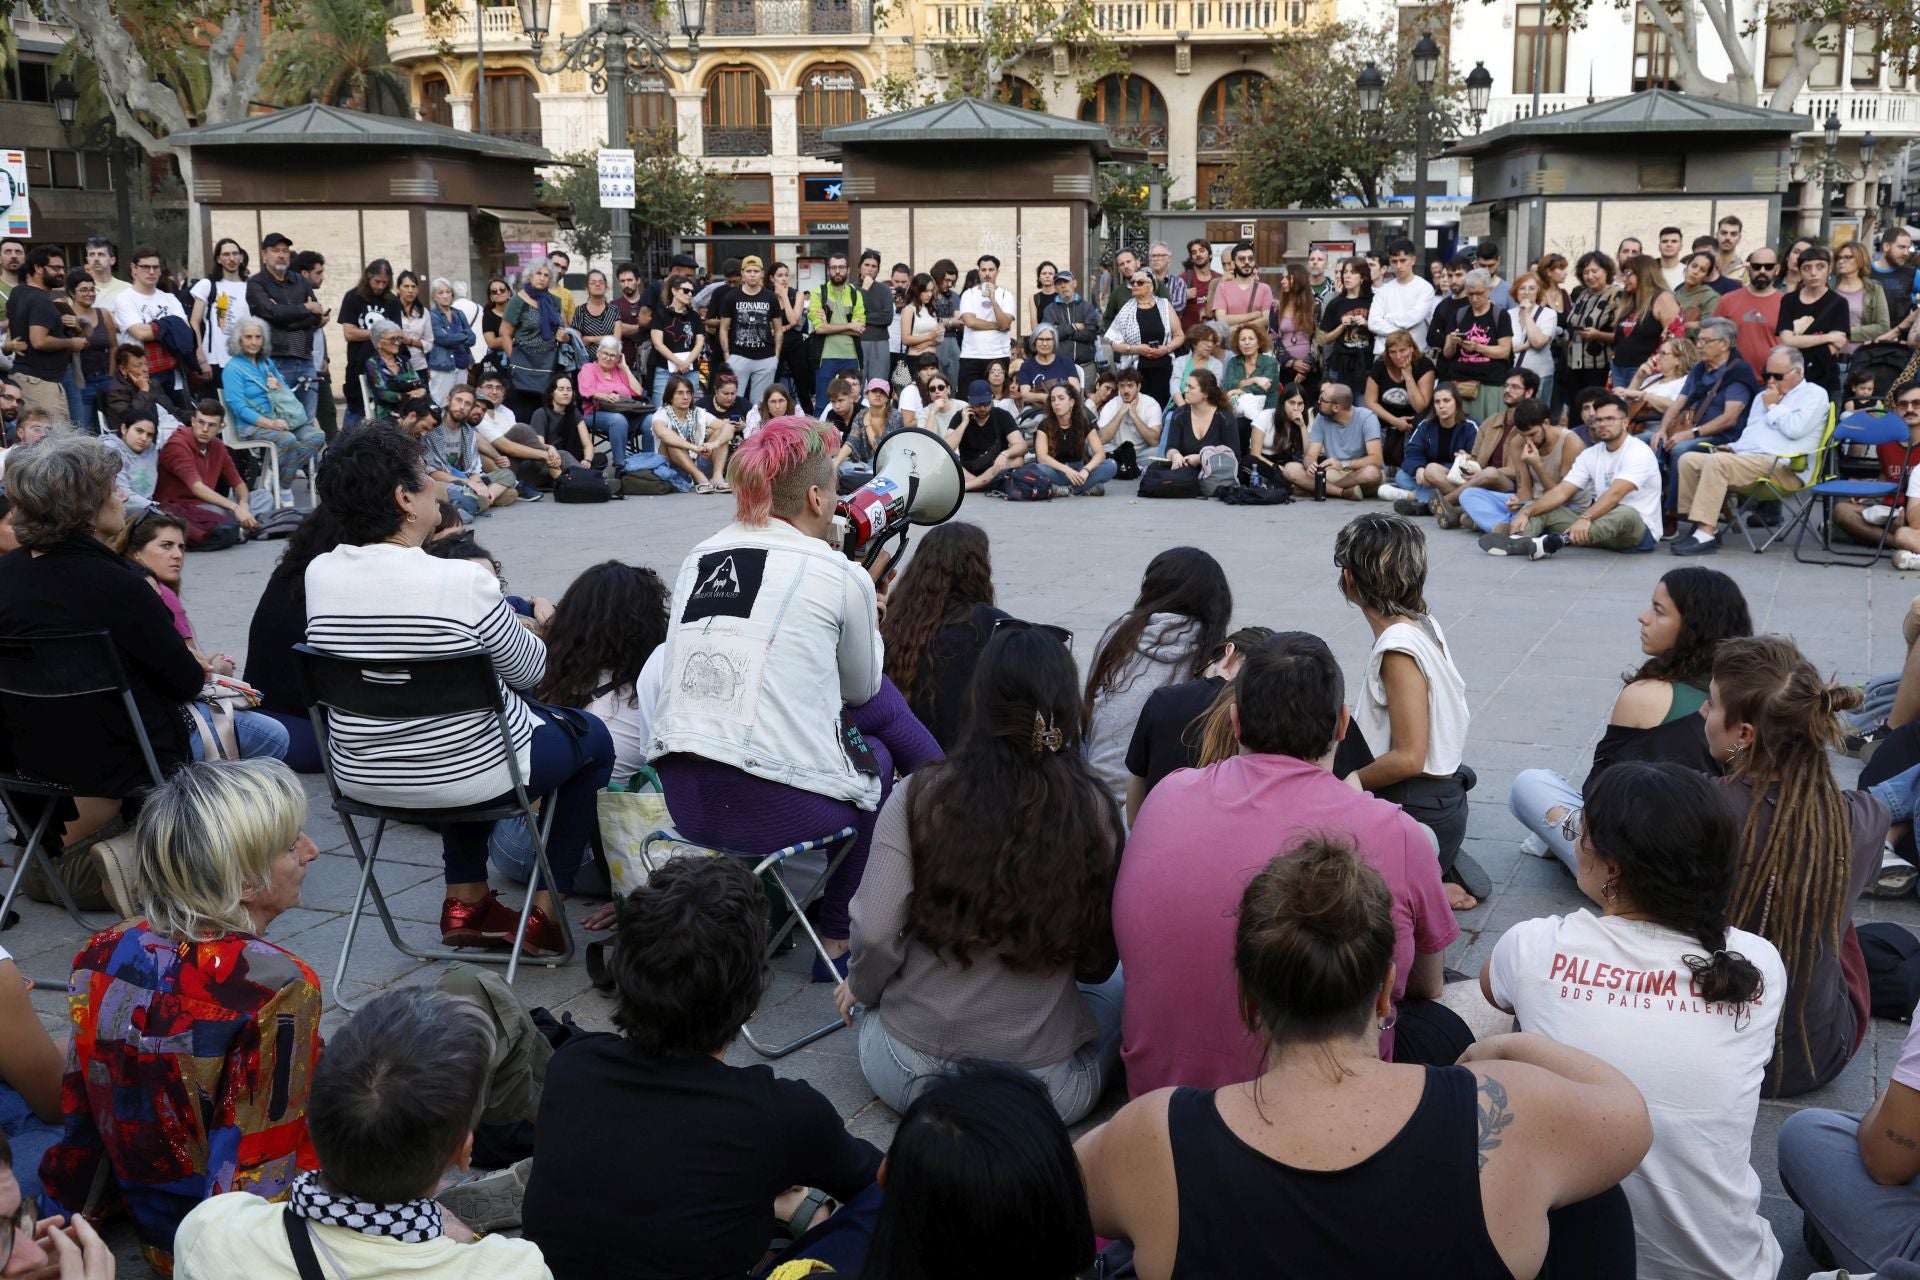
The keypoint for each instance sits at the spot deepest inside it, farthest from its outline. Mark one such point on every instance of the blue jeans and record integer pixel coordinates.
(573, 770)
(662, 373)
(92, 401)
(76, 404)
(510, 852)
(829, 370)
(1865, 1224)
(897, 1072)
(298, 372)
(618, 429)
(256, 735)
(1095, 475)
(303, 750)
(1534, 793)
(1421, 493)
(1670, 474)
(30, 1136)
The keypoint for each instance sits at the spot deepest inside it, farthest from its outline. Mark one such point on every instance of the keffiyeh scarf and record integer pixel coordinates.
(411, 1221)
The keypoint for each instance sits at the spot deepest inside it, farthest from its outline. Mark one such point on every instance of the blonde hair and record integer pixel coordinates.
(207, 837)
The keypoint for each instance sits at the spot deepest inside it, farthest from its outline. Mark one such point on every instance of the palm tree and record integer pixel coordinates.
(335, 51)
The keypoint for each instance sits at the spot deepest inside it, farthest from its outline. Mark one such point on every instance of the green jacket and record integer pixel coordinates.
(1265, 366)
(848, 309)
(1875, 319)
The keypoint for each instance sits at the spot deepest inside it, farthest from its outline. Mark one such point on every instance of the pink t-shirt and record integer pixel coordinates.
(593, 380)
(1201, 836)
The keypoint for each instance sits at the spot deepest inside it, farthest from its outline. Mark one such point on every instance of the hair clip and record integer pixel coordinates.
(1045, 734)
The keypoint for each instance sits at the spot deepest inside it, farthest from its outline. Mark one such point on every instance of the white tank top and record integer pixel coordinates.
(1447, 716)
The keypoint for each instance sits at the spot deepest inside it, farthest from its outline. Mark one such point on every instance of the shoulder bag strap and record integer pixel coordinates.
(305, 1260)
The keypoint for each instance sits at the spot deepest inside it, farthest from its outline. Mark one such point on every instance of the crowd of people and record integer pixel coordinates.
(1207, 869)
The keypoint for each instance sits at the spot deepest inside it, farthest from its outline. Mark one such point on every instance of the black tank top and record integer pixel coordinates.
(1411, 1208)
(1635, 346)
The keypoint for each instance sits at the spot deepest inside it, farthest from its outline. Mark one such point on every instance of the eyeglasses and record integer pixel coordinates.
(24, 1219)
(1061, 634)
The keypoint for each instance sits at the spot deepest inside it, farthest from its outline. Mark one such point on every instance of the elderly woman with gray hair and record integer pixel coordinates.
(1047, 364)
(391, 377)
(604, 386)
(1479, 346)
(451, 350)
(263, 403)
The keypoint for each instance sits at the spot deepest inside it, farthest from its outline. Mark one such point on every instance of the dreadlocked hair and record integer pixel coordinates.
(1790, 887)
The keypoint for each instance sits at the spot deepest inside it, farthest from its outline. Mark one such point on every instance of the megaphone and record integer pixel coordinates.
(916, 480)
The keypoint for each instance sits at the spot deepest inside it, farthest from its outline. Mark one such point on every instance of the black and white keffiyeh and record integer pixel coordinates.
(411, 1221)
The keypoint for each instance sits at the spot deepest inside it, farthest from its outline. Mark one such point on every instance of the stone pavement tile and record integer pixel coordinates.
(1852, 1090)
(1796, 1263)
(333, 878)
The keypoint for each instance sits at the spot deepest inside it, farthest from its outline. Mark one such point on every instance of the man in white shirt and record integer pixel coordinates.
(101, 259)
(1782, 433)
(986, 314)
(1622, 475)
(1403, 300)
(137, 314)
(1131, 417)
(1673, 269)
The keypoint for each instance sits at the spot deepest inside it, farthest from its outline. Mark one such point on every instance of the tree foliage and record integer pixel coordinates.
(335, 52)
(673, 194)
(1014, 38)
(1304, 139)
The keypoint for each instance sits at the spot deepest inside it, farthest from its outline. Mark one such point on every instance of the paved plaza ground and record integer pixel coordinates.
(1541, 646)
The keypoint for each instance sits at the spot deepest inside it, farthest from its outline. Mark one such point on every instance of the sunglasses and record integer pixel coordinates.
(1769, 375)
(1061, 634)
(936, 386)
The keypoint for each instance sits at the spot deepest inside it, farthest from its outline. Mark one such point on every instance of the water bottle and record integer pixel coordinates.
(1319, 484)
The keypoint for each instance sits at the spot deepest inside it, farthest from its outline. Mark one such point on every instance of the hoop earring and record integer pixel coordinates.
(411, 517)
(1608, 892)
(1390, 1021)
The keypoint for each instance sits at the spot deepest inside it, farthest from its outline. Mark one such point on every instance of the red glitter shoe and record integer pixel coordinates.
(543, 935)
(486, 923)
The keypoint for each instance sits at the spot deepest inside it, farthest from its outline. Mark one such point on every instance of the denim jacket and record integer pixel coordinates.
(452, 347)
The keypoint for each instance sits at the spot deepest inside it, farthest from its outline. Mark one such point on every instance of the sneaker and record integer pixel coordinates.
(1406, 506)
(1443, 515)
(528, 493)
(1534, 847)
(1518, 544)
(486, 923)
(1906, 560)
(1896, 877)
(1097, 491)
(1689, 545)
(1877, 515)
(287, 498)
(490, 1201)
(1395, 494)
(1063, 491)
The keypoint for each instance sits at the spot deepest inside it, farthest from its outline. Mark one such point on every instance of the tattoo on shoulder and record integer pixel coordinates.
(1494, 1115)
(1901, 1139)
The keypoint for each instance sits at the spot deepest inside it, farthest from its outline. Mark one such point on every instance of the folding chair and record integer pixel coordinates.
(811, 863)
(1863, 428)
(1825, 459)
(230, 433)
(421, 689)
(59, 668)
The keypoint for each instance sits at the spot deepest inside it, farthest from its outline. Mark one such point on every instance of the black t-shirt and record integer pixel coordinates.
(1491, 327)
(1828, 315)
(1153, 334)
(1179, 436)
(985, 440)
(750, 335)
(735, 412)
(356, 310)
(678, 329)
(945, 675)
(1167, 735)
(1393, 394)
(29, 305)
(720, 1143)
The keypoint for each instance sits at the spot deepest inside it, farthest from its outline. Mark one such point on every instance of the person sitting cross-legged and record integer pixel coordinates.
(1782, 433)
(696, 442)
(393, 1105)
(1444, 437)
(1343, 445)
(1623, 513)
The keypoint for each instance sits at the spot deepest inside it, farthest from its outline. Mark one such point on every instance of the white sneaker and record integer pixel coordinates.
(1877, 515)
(1906, 559)
(1534, 846)
(1393, 493)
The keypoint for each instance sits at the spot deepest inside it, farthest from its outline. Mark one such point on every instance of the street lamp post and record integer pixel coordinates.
(1371, 86)
(1827, 169)
(615, 53)
(66, 108)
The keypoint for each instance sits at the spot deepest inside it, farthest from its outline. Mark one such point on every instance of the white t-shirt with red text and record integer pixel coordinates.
(1621, 990)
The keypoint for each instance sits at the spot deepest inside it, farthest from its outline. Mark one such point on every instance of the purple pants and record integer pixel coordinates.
(728, 808)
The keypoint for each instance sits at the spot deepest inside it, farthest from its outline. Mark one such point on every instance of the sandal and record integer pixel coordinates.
(1896, 876)
(1468, 874)
(703, 487)
(816, 1207)
(721, 486)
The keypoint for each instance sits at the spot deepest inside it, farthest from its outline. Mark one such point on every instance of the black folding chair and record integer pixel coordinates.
(53, 669)
(421, 689)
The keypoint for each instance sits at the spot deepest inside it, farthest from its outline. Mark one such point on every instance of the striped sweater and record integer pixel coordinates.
(387, 601)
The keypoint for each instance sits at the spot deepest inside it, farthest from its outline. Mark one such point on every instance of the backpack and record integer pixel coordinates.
(1163, 481)
(643, 484)
(1027, 484)
(278, 524)
(581, 484)
(1893, 969)
(1218, 468)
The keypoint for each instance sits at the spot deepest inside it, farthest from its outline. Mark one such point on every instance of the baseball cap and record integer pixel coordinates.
(1062, 274)
(274, 238)
(978, 392)
(750, 261)
(881, 384)
(686, 260)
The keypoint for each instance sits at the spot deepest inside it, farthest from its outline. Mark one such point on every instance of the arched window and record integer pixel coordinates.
(1133, 111)
(738, 121)
(1016, 92)
(830, 94)
(433, 101)
(512, 109)
(1228, 104)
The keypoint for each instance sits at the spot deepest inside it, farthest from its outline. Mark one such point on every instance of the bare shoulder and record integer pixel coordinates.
(1642, 705)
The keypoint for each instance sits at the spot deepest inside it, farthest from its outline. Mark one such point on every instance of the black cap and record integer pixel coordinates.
(686, 260)
(274, 238)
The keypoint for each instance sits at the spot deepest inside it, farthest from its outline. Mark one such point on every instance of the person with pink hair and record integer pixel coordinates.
(777, 723)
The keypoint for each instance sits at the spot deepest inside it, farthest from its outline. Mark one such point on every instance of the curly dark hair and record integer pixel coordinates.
(1015, 842)
(1182, 580)
(358, 478)
(951, 571)
(689, 957)
(1711, 609)
(609, 622)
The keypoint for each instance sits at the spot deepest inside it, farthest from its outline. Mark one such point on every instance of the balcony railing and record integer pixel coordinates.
(733, 19)
(409, 36)
(1863, 109)
(1152, 19)
(1506, 109)
(738, 142)
(1146, 137)
(811, 141)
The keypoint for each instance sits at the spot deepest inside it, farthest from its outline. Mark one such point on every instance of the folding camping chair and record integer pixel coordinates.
(809, 863)
(421, 689)
(1862, 428)
(1824, 458)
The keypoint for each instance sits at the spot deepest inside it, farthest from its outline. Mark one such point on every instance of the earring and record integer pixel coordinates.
(1387, 1023)
(1608, 892)
(411, 517)
(1736, 749)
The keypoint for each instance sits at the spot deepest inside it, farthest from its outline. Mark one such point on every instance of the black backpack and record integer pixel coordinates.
(582, 484)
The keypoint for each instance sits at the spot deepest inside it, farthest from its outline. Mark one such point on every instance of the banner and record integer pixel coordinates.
(16, 216)
(616, 177)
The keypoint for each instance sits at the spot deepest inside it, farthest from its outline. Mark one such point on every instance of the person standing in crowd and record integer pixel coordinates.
(1402, 302)
(1166, 283)
(1778, 444)
(1044, 278)
(985, 312)
(1179, 619)
(1591, 326)
(1696, 296)
(1536, 331)
(1656, 854)
(678, 337)
(47, 339)
(534, 330)
(995, 940)
(838, 315)
(633, 317)
(794, 366)
(1219, 1180)
(1671, 266)
(1346, 341)
(1344, 455)
(1294, 328)
(1199, 278)
(1479, 348)
(371, 296)
(940, 616)
(595, 316)
(1647, 315)
(1814, 321)
(220, 301)
(1895, 271)
(1411, 721)
(1077, 322)
(1145, 334)
(1755, 308)
(101, 258)
(1726, 249)
(1323, 285)
(1805, 849)
(558, 264)
(945, 299)
(1126, 264)
(1244, 298)
(1867, 313)
(93, 363)
(751, 322)
(416, 327)
(1486, 256)
(1656, 715)
(876, 297)
(920, 331)
(139, 312)
(451, 352)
